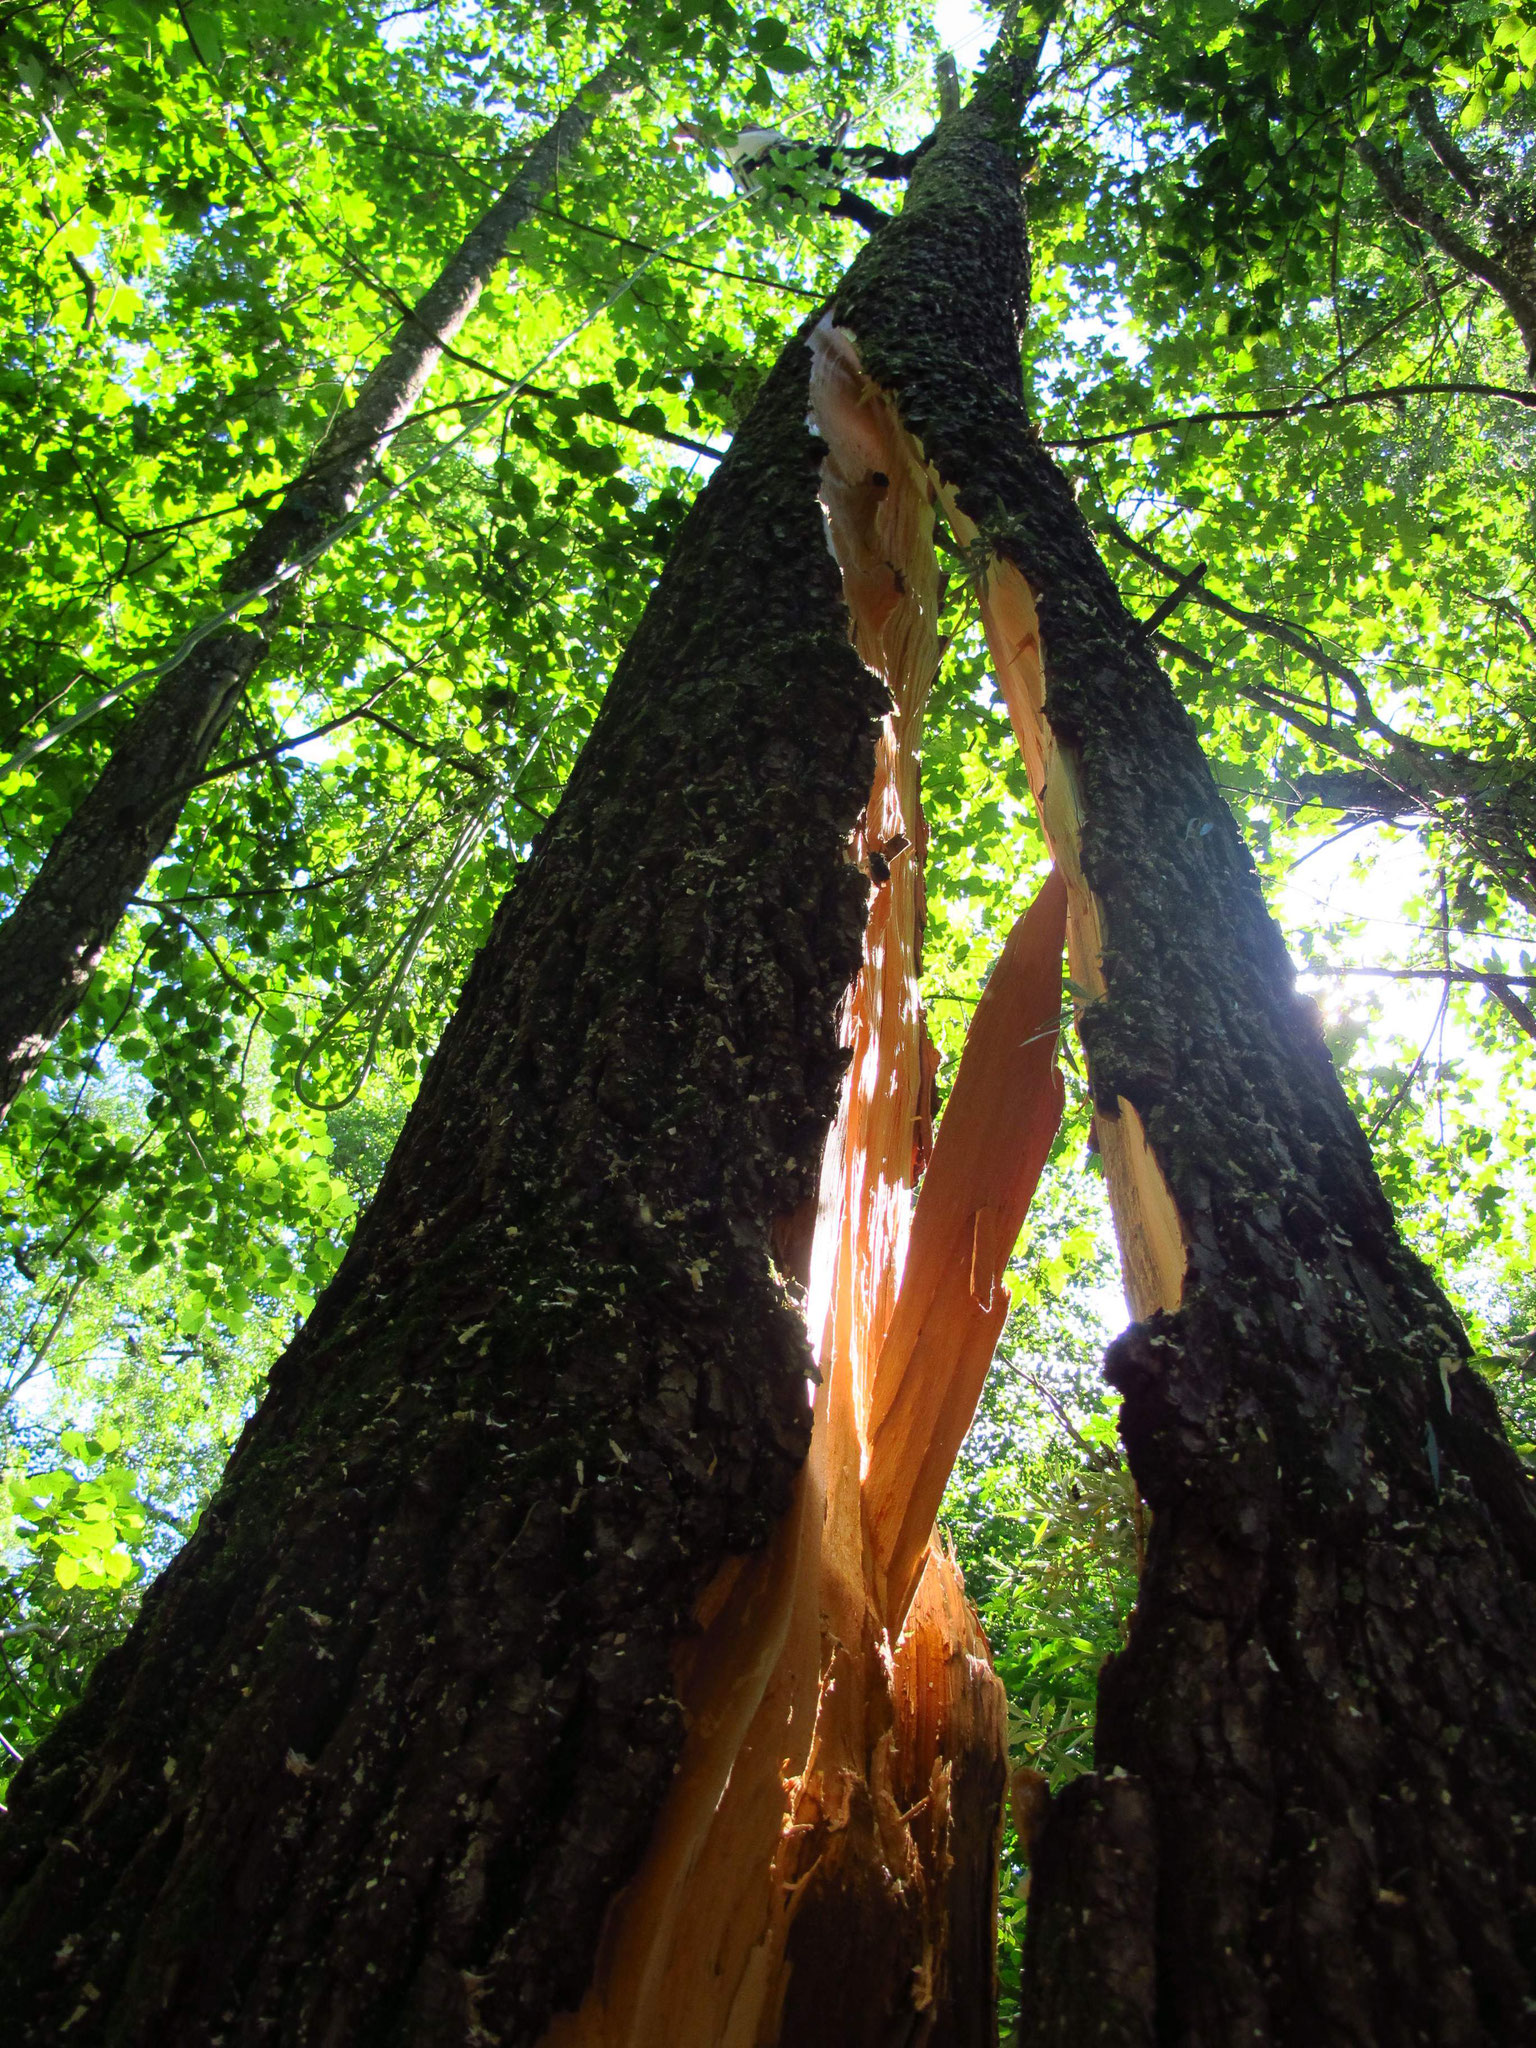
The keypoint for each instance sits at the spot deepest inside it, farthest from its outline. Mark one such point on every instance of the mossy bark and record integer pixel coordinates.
(1314, 1819)
(394, 1726)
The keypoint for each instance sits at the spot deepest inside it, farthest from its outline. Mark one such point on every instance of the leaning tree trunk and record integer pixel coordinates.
(1313, 1818)
(52, 940)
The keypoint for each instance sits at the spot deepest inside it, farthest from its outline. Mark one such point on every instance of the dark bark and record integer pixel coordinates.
(51, 942)
(1316, 1764)
(393, 1727)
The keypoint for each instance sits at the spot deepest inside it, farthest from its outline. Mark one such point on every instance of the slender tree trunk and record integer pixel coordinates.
(51, 942)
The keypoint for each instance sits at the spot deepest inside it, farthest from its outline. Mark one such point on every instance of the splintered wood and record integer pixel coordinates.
(825, 1866)
(1146, 1222)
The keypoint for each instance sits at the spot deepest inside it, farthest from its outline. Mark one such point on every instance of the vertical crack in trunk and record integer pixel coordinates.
(1314, 1809)
(1147, 1225)
(825, 1867)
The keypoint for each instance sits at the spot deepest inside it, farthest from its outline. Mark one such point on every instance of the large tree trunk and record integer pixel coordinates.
(52, 940)
(398, 1720)
(1314, 1814)
(403, 1716)
(461, 1676)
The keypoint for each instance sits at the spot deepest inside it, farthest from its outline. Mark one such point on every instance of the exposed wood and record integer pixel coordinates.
(1147, 1227)
(1313, 1819)
(825, 1868)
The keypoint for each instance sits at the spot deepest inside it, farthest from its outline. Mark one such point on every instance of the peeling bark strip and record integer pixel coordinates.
(1313, 1822)
(52, 940)
(824, 1869)
(398, 1721)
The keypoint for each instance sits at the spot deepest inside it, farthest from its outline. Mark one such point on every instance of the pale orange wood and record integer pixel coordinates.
(1151, 1240)
(993, 1141)
(839, 1794)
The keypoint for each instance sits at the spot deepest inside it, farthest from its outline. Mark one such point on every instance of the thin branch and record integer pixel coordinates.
(586, 227)
(1498, 986)
(1400, 1094)
(85, 277)
(1300, 409)
(655, 433)
(1260, 622)
(421, 746)
(1412, 206)
(1453, 973)
(1175, 598)
(164, 908)
(1333, 839)
(302, 740)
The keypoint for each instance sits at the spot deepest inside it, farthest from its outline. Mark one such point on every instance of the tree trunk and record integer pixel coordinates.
(1314, 1813)
(51, 942)
(402, 1717)
(397, 1721)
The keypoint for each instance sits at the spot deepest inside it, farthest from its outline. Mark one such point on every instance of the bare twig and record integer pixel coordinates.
(1301, 408)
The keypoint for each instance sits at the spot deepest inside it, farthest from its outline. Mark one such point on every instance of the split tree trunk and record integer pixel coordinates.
(1314, 1814)
(400, 1719)
(52, 940)
(453, 1677)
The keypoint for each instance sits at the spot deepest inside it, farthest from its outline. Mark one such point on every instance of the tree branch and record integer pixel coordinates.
(1451, 154)
(1261, 622)
(1378, 394)
(1413, 207)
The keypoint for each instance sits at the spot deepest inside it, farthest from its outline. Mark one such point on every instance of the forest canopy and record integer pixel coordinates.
(1281, 338)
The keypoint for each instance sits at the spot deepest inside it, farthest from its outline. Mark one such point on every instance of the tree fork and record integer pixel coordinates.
(51, 942)
(932, 1806)
(399, 1720)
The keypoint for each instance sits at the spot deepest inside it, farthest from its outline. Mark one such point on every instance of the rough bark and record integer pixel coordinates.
(824, 1868)
(52, 940)
(1316, 1768)
(395, 1725)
